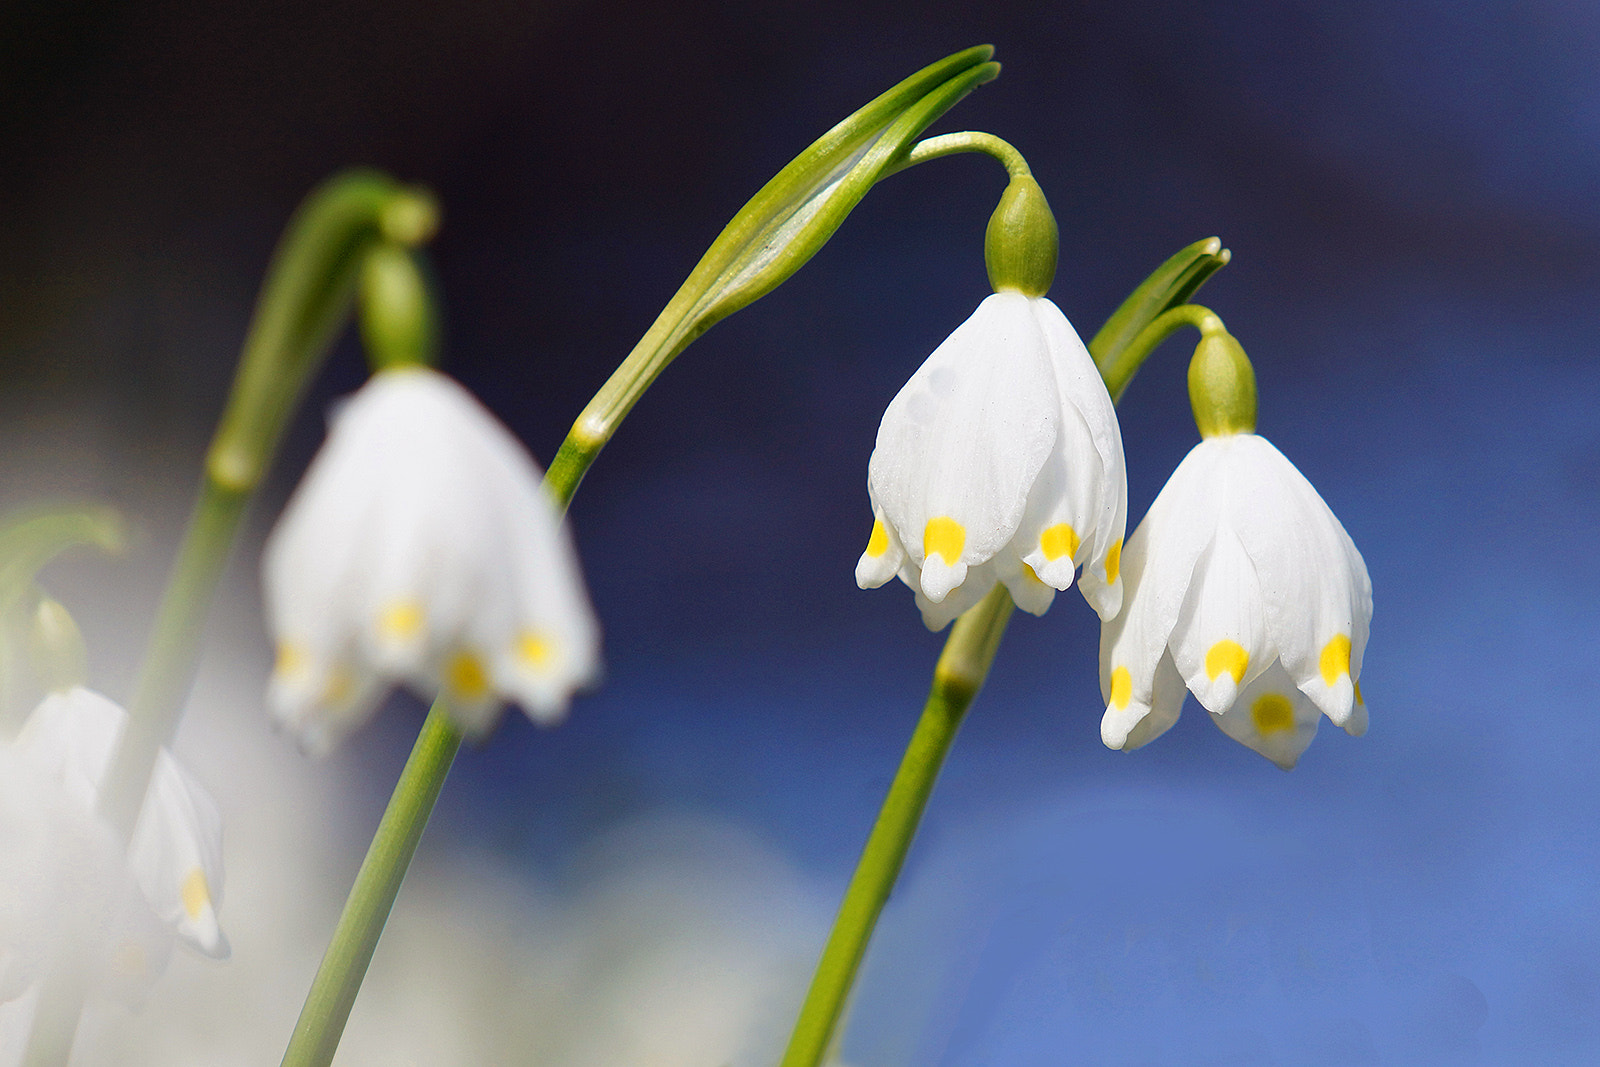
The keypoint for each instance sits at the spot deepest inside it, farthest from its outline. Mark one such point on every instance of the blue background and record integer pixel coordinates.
(1409, 192)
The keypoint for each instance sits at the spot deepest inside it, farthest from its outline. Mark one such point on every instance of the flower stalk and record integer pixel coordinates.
(960, 673)
(333, 991)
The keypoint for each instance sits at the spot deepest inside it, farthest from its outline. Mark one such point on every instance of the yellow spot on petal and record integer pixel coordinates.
(291, 660)
(196, 894)
(1114, 562)
(878, 543)
(1227, 656)
(340, 688)
(1335, 658)
(467, 677)
(944, 537)
(1358, 694)
(535, 649)
(1059, 540)
(1121, 687)
(1272, 713)
(1031, 576)
(401, 620)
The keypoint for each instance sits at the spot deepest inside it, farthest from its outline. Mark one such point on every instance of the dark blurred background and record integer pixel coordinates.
(1409, 192)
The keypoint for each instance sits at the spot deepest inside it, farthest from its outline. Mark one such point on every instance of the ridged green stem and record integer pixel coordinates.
(960, 673)
(333, 991)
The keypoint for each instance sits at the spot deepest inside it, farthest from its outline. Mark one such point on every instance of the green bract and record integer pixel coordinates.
(773, 235)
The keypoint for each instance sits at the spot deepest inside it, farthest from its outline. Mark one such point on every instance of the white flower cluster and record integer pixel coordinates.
(1001, 460)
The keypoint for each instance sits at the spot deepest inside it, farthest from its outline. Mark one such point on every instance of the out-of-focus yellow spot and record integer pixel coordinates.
(878, 543)
(1227, 656)
(1359, 700)
(1335, 658)
(535, 649)
(1121, 687)
(1031, 576)
(401, 620)
(1272, 713)
(944, 537)
(341, 686)
(467, 677)
(291, 660)
(1059, 540)
(1114, 562)
(196, 894)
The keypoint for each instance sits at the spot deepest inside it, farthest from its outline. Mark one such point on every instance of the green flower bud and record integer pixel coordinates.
(1222, 386)
(59, 659)
(1021, 243)
(398, 324)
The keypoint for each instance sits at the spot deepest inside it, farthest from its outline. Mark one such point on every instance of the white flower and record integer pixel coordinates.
(1000, 460)
(67, 894)
(1244, 588)
(422, 548)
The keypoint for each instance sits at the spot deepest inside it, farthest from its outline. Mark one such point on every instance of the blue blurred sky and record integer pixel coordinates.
(1409, 191)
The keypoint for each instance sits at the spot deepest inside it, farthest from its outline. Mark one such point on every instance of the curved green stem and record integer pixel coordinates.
(951, 144)
(1118, 372)
(960, 673)
(333, 991)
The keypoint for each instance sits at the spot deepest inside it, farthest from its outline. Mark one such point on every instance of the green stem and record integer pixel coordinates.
(950, 144)
(333, 992)
(960, 673)
(1118, 372)
(173, 651)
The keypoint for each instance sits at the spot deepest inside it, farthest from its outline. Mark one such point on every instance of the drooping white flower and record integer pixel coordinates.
(1244, 589)
(999, 461)
(422, 548)
(70, 896)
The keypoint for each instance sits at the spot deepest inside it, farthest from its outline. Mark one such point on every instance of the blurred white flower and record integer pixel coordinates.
(422, 548)
(68, 898)
(1244, 588)
(1000, 460)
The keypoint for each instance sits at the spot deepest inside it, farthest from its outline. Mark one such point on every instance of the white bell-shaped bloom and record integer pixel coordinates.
(1244, 589)
(999, 461)
(422, 548)
(69, 894)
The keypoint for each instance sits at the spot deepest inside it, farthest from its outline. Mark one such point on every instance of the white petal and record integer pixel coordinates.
(1156, 571)
(1082, 389)
(1140, 723)
(1027, 591)
(176, 855)
(1219, 642)
(1273, 717)
(883, 555)
(1305, 569)
(963, 441)
(936, 616)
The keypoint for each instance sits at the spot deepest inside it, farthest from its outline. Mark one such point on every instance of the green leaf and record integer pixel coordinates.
(1171, 284)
